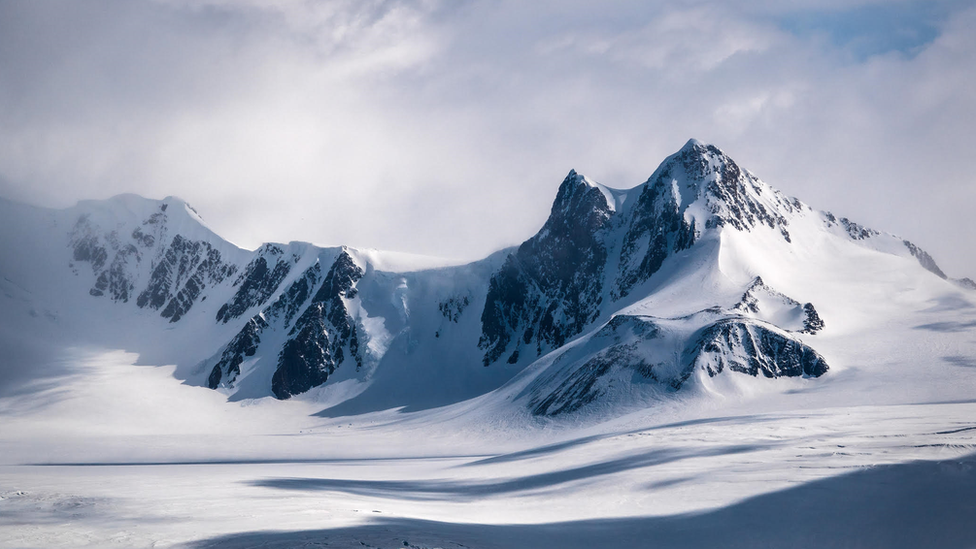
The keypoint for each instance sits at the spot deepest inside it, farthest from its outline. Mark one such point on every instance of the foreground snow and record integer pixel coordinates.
(105, 458)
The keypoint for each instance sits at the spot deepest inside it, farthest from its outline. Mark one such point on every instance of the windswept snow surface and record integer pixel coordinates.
(124, 455)
(634, 423)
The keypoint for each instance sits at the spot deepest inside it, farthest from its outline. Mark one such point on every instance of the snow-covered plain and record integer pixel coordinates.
(878, 454)
(109, 438)
(123, 455)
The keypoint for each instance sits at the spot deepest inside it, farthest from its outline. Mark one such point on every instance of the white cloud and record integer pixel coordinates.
(446, 127)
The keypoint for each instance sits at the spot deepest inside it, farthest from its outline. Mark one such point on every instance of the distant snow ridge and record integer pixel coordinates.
(622, 296)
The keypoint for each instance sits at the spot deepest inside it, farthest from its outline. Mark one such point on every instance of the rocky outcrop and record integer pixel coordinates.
(178, 278)
(812, 323)
(259, 281)
(656, 230)
(208, 272)
(663, 355)
(859, 232)
(111, 259)
(177, 275)
(116, 281)
(554, 285)
(967, 283)
(550, 288)
(244, 344)
(750, 348)
(291, 301)
(452, 308)
(278, 315)
(324, 336)
(583, 384)
(924, 259)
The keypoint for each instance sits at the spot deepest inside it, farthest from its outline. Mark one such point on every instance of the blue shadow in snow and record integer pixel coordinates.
(948, 326)
(466, 491)
(565, 445)
(959, 360)
(905, 506)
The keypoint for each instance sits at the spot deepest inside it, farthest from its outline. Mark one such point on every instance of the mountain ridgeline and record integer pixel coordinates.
(665, 286)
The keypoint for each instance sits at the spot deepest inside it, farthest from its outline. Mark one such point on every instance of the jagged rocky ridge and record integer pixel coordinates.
(179, 268)
(321, 339)
(303, 315)
(550, 288)
(324, 336)
(590, 251)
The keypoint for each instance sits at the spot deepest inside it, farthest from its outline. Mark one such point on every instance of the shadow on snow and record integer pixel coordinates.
(457, 490)
(917, 504)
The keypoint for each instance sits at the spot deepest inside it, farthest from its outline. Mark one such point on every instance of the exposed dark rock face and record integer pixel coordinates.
(549, 289)
(812, 323)
(244, 344)
(751, 348)
(110, 259)
(749, 303)
(633, 349)
(86, 246)
(750, 298)
(257, 283)
(580, 388)
(583, 385)
(211, 270)
(734, 194)
(291, 301)
(854, 230)
(657, 229)
(170, 272)
(116, 280)
(924, 259)
(452, 308)
(552, 287)
(322, 336)
(967, 283)
(146, 240)
(180, 276)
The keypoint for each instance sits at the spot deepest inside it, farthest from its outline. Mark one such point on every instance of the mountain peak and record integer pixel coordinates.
(724, 194)
(579, 195)
(577, 182)
(693, 144)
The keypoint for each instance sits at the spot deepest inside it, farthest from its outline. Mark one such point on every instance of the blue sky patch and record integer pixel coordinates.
(872, 30)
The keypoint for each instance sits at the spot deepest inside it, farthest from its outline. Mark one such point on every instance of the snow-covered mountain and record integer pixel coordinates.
(703, 280)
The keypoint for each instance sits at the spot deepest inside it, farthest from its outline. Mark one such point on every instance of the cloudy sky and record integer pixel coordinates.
(445, 127)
